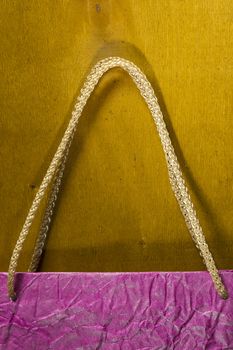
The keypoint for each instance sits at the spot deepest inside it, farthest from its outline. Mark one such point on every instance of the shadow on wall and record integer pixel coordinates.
(97, 259)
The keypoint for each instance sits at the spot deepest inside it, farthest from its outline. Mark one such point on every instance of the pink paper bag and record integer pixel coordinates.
(111, 311)
(128, 310)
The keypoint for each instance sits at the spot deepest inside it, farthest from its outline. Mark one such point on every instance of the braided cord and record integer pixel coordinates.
(44, 227)
(56, 169)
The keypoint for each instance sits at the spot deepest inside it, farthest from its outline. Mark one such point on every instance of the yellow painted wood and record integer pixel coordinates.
(117, 211)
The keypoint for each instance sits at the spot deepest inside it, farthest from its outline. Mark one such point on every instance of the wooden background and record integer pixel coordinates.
(117, 211)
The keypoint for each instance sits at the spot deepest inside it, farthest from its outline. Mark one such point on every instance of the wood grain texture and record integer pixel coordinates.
(117, 211)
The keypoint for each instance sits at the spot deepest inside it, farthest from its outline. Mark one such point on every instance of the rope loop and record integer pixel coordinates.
(56, 169)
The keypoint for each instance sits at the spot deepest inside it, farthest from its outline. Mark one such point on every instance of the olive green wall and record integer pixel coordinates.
(117, 211)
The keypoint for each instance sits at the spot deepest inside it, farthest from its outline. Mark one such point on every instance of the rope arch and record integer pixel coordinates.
(56, 169)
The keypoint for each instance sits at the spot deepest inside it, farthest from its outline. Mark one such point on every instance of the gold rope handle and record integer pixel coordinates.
(56, 169)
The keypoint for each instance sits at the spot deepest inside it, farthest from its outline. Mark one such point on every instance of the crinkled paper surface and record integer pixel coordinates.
(145, 310)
